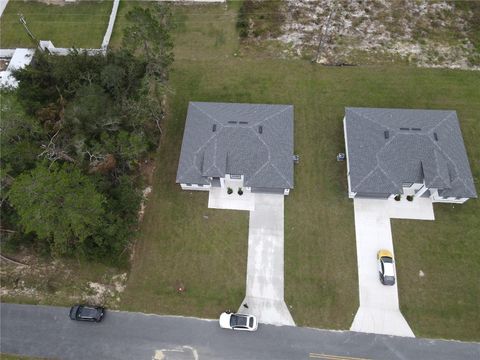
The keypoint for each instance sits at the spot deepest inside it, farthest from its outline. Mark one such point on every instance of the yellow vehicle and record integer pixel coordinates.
(386, 267)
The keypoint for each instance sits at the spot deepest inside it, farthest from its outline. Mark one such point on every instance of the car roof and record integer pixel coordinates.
(88, 312)
(389, 270)
(241, 319)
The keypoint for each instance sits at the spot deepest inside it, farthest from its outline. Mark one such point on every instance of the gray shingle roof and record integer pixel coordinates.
(225, 138)
(389, 147)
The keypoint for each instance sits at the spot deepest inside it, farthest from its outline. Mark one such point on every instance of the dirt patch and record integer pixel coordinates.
(60, 2)
(146, 192)
(55, 2)
(59, 282)
(422, 32)
(98, 293)
(147, 169)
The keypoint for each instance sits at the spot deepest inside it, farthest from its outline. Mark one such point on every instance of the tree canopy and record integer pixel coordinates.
(73, 136)
(59, 204)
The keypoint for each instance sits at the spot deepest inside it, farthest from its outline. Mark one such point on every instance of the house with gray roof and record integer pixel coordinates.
(398, 151)
(248, 146)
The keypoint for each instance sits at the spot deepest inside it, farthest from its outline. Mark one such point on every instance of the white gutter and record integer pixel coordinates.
(350, 194)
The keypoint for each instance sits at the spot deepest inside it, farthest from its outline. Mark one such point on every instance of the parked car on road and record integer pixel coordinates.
(386, 267)
(232, 321)
(87, 313)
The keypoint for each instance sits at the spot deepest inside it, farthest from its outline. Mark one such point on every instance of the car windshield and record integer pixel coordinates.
(387, 259)
(251, 322)
(237, 320)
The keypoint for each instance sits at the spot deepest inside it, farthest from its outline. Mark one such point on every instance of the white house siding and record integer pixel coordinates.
(234, 184)
(351, 194)
(450, 200)
(196, 187)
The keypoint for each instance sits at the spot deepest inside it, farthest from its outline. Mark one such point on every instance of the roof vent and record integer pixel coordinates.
(386, 134)
(244, 122)
(232, 122)
(214, 127)
(416, 129)
(260, 129)
(435, 136)
(405, 129)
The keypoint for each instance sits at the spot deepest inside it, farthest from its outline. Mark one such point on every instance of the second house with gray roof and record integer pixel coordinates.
(250, 145)
(420, 153)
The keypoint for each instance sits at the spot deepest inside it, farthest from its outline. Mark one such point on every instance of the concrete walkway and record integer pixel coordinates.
(218, 198)
(265, 272)
(379, 310)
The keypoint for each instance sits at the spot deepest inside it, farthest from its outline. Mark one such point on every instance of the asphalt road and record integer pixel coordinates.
(45, 331)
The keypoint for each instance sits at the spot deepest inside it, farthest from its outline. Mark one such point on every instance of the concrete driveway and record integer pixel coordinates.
(379, 310)
(265, 272)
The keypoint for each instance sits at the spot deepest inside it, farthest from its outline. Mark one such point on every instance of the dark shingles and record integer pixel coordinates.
(407, 155)
(237, 147)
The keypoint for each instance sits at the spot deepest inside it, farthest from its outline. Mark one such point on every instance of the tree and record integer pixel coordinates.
(59, 204)
(91, 112)
(20, 137)
(85, 125)
(149, 34)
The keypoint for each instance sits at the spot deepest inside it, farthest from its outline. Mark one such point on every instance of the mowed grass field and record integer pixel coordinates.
(183, 242)
(81, 24)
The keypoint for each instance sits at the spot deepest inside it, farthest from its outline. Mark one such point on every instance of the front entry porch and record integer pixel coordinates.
(219, 198)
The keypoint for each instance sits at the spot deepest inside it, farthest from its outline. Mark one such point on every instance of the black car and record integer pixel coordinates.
(87, 313)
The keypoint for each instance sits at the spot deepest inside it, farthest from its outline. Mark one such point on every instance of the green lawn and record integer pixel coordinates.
(444, 303)
(81, 24)
(178, 243)
(181, 241)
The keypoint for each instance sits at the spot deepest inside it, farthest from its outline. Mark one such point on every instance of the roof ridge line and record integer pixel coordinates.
(279, 173)
(271, 116)
(366, 176)
(452, 112)
(204, 112)
(388, 177)
(370, 119)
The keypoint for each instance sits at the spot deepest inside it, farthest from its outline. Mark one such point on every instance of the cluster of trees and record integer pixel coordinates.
(73, 135)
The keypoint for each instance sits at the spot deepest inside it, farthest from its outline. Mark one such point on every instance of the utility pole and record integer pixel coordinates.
(324, 33)
(24, 23)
